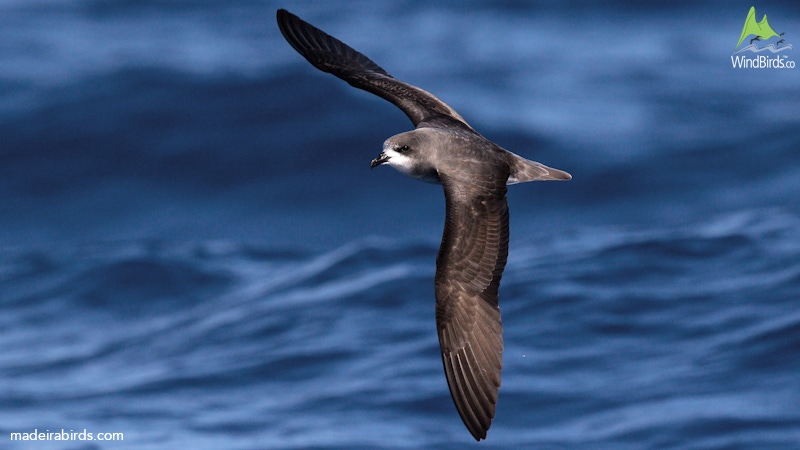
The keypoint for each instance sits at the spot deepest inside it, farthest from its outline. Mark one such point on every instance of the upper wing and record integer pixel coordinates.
(468, 270)
(331, 55)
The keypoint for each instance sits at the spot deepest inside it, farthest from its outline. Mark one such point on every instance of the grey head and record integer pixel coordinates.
(474, 173)
(414, 153)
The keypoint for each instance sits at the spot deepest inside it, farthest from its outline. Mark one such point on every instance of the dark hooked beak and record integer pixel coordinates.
(382, 158)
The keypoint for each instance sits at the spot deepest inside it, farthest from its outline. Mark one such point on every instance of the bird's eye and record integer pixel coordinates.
(403, 149)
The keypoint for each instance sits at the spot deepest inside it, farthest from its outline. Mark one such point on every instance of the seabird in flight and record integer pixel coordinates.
(443, 148)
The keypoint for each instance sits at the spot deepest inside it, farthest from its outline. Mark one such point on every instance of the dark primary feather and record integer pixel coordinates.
(331, 55)
(468, 270)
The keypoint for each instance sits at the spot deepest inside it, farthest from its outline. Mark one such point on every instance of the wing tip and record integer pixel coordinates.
(322, 50)
(476, 414)
(288, 25)
(283, 17)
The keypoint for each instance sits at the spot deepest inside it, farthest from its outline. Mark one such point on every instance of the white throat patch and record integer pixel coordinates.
(399, 161)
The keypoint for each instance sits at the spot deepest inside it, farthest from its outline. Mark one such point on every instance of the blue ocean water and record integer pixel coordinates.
(195, 254)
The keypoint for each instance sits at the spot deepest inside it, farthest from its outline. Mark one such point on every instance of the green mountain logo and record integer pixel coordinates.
(761, 30)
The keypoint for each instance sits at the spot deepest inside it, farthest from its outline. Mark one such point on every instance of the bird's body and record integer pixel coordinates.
(475, 173)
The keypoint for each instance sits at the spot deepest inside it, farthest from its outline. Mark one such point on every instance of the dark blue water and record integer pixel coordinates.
(194, 252)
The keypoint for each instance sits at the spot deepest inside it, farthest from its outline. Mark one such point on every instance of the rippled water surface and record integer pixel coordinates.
(194, 253)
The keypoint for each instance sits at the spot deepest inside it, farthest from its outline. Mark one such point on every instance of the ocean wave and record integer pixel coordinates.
(613, 336)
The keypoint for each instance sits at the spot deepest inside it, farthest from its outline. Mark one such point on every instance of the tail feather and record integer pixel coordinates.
(524, 170)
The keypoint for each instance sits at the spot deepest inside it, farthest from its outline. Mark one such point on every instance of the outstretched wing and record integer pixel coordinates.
(468, 269)
(331, 55)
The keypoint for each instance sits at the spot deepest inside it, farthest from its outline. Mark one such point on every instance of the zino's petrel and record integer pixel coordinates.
(474, 172)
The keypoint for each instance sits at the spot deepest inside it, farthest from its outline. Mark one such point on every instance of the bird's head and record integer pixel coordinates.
(411, 154)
